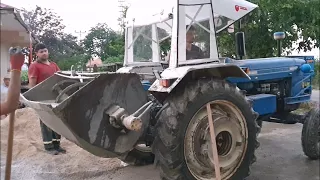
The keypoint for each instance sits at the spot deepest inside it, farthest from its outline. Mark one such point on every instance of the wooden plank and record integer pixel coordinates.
(213, 143)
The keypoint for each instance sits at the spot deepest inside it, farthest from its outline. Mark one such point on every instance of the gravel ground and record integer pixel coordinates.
(280, 157)
(31, 162)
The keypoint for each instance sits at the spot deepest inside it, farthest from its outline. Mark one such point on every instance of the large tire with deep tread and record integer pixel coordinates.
(310, 136)
(172, 124)
(138, 158)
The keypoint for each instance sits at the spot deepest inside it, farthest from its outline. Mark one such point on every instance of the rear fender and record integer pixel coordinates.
(179, 75)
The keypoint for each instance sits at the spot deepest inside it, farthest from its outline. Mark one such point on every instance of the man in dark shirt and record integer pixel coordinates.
(193, 51)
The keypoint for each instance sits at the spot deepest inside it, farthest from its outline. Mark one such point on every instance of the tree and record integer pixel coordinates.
(103, 42)
(290, 16)
(77, 61)
(48, 27)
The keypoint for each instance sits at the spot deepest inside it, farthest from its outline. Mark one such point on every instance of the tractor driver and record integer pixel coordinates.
(192, 51)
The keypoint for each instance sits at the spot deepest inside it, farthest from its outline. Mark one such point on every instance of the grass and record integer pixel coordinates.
(316, 79)
(304, 108)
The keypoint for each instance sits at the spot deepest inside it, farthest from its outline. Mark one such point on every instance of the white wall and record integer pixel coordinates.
(4, 59)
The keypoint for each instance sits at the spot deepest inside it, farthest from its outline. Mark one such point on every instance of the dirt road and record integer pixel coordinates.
(280, 157)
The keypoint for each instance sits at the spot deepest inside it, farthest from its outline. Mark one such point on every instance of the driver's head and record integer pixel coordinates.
(191, 33)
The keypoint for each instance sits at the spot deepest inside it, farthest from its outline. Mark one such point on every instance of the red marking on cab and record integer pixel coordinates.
(240, 7)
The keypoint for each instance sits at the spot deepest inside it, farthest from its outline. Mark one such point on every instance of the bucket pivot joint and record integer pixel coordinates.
(119, 117)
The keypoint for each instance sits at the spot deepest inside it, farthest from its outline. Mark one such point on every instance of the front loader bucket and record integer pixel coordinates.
(76, 108)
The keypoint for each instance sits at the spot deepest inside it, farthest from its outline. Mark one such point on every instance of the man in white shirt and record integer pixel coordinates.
(4, 87)
(4, 90)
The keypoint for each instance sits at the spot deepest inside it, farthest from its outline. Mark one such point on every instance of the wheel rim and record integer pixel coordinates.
(143, 148)
(231, 137)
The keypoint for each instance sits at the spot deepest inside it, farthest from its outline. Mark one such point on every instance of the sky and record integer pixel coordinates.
(82, 15)
(77, 15)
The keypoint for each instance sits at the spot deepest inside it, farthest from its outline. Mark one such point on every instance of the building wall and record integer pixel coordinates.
(4, 59)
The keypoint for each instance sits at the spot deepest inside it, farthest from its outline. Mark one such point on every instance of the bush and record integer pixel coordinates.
(114, 59)
(316, 79)
(66, 63)
(24, 76)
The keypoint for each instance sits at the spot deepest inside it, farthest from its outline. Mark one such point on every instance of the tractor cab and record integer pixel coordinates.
(147, 41)
(179, 33)
(182, 34)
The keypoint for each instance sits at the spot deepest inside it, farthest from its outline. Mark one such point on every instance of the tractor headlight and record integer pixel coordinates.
(293, 68)
(305, 68)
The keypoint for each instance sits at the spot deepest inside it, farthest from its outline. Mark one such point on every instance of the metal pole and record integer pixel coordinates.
(240, 57)
(80, 34)
(279, 47)
(278, 36)
(30, 52)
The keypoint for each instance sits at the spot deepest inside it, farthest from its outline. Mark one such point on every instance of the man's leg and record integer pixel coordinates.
(47, 139)
(56, 142)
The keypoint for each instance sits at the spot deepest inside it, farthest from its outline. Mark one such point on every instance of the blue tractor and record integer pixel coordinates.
(155, 110)
(281, 83)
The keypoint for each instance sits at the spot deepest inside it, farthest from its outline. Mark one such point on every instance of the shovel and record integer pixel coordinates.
(11, 128)
(10, 145)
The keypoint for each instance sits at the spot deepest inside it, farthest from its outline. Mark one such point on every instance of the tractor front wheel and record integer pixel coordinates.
(310, 137)
(141, 155)
(182, 144)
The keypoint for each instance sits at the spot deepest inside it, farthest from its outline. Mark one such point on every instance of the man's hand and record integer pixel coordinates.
(16, 58)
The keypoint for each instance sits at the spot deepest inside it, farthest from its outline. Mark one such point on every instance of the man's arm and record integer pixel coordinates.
(201, 55)
(12, 102)
(58, 69)
(33, 75)
(55, 65)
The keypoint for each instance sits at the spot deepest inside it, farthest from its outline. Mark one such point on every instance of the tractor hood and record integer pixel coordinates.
(267, 63)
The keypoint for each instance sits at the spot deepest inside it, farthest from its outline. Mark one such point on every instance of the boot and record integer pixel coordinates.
(59, 149)
(52, 151)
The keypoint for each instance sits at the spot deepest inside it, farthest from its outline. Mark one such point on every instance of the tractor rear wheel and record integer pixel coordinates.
(182, 143)
(310, 137)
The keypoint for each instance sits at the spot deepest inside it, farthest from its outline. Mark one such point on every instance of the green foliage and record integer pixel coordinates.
(290, 16)
(114, 59)
(24, 76)
(48, 27)
(142, 49)
(103, 42)
(77, 61)
(316, 79)
(165, 47)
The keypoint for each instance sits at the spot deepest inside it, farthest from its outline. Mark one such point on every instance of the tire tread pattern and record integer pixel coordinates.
(168, 137)
(310, 136)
